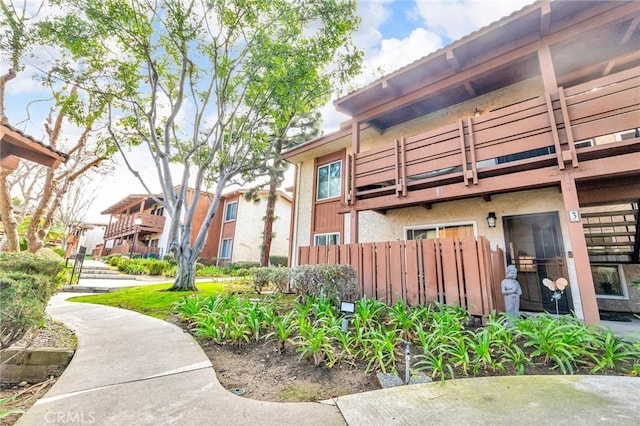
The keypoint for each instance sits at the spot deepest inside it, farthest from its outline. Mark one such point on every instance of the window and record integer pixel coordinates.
(230, 211)
(608, 281)
(225, 250)
(441, 231)
(329, 180)
(326, 239)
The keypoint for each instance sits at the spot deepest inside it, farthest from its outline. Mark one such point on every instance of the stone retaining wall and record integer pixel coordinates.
(32, 365)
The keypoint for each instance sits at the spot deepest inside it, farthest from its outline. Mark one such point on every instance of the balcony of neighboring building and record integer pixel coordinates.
(124, 226)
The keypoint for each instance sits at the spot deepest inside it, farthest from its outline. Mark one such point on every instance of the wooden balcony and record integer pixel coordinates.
(139, 249)
(126, 226)
(524, 145)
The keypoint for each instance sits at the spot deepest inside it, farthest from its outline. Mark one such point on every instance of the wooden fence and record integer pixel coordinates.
(455, 271)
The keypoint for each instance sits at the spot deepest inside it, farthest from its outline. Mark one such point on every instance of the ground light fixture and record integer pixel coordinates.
(347, 309)
(492, 219)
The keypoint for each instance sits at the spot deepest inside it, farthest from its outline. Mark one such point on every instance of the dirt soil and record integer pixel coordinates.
(259, 371)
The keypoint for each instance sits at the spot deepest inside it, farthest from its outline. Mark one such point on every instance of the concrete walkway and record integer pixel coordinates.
(131, 369)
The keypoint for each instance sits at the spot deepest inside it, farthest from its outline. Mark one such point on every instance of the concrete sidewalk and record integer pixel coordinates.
(131, 369)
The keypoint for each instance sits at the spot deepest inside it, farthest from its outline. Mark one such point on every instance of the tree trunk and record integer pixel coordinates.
(275, 177)
(186, 275)
(267, 232)
(6, 213)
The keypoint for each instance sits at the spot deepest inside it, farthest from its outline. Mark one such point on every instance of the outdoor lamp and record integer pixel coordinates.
(347, 308)
(491, 219)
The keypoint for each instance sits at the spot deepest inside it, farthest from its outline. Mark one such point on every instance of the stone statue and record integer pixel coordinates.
(511, 291)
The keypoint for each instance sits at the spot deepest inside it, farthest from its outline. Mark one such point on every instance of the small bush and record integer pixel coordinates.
(169, 258)
(210, 271)
(245, 265)
(32, 264)
(23, 299)
(277, 277)
(335, 282)
(279, 261)
(59, 251)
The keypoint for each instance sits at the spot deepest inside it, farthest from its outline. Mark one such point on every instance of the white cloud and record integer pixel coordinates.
(372, 15)
(394, 53)
(457, 18)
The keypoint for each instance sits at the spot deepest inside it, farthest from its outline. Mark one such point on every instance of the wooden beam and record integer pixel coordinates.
(470, 90)
(10, 162)
(452, 60)
(47, 158)
(486, 197)
(580, 253)
(630, 30)
(387, 86)
(545, 18)
(427, 206)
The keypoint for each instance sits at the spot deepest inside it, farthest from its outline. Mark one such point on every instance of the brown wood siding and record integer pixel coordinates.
(324, 216)
(514, 144)
(456, 271)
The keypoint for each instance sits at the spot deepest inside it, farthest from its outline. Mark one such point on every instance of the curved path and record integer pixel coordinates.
(131, 369)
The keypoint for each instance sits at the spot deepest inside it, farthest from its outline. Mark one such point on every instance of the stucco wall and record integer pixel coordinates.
(249, 227)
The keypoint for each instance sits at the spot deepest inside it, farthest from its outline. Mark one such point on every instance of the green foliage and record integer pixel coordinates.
(4, 412)
(335, 282)
(34, 264)
(23, 299)
(282, 261)
(59, 251)
(275, 276)
(242, 72)
(153, 300)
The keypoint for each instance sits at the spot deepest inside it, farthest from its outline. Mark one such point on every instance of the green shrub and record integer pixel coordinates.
(169, 258)
(335, 282)
(276, 276)
(29, 263)
(23, 299)
(279, 261)
(59, 251)
(210, 271)
(245, 265)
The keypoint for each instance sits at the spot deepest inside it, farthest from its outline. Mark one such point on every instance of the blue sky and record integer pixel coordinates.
(393, 33)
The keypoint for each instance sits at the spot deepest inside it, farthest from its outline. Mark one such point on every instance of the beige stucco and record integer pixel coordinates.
(249, 227)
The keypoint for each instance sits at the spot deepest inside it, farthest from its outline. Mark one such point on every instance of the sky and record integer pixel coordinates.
(392, 34)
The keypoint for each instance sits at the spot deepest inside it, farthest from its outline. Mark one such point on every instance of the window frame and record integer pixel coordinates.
(438, 226)
(226, 211)
(623, 283)
(222, 243)
(326, 234)
(328, 165)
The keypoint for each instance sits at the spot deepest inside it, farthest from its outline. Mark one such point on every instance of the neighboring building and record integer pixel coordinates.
(239, 229)
(524, 132)
(15, 145)
(225, 243)
(89, 235)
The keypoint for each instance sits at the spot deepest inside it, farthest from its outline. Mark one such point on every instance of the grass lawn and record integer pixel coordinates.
(152, 300)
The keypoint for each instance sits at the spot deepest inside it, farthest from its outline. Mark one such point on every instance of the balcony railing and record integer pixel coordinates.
(126, 226)
(139, 249)
(532, 134)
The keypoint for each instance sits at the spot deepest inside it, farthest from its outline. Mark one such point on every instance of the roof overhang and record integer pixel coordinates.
(15, 145)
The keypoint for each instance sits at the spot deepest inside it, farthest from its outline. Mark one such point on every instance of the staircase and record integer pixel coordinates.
(95, 278)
